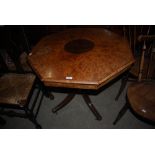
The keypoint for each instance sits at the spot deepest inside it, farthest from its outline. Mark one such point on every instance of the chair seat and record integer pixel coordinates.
(15, 88)
(142, 99)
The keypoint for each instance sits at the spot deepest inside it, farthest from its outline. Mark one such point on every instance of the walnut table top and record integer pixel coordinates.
(85, 58)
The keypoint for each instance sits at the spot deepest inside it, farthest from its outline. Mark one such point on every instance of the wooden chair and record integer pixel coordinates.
(135, 44)
(141, 94)
(16, 90)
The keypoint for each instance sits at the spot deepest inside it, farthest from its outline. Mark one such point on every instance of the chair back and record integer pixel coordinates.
(147, 52)
(13, 43)
(131, 32)
(10, 61)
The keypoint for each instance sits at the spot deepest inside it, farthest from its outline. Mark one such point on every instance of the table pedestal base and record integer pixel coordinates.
(87, 101)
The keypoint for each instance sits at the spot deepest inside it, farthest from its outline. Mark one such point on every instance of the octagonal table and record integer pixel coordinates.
(80, 58)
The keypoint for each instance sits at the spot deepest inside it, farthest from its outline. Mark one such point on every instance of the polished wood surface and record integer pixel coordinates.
(141, 93)
(142, 99)
(101, 56)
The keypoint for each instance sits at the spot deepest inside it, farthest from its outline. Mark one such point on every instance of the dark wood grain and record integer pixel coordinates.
(141, 97)
(109, 56)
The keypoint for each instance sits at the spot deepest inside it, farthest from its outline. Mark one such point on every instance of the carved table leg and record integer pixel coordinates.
(86, 99)
(91, 107)
(63, 103)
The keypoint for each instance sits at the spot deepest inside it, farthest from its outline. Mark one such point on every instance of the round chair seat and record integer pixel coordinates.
(141, 97)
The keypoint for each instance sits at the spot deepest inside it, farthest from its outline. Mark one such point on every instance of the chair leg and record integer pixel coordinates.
(38, 108)
(32, 118)
(34, 121)
(35, 100)
(123, 85)
(30, 111)
(121, 113)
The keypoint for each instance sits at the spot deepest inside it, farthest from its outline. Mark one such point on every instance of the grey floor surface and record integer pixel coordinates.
(76, 115)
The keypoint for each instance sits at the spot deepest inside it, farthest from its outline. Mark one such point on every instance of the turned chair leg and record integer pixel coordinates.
(121, 113)
(32, 118)
(34, 121)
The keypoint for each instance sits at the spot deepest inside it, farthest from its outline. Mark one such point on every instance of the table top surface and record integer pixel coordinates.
(85, 58)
